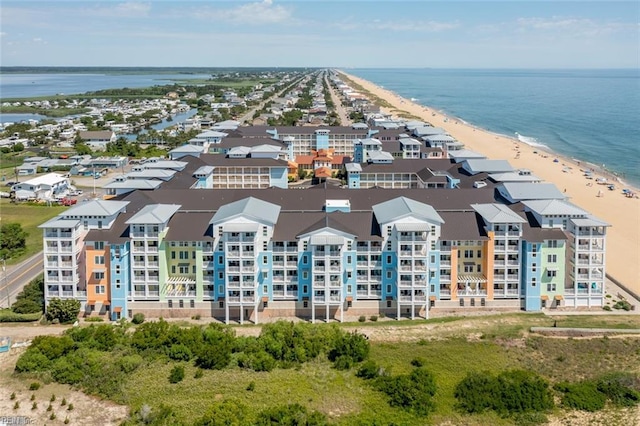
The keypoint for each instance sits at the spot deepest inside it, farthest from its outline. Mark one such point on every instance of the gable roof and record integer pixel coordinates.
(250, 207)
(96, 208)
(554, 207)
(154, 214)
(400, 207)
(497, 213)
(520, 191)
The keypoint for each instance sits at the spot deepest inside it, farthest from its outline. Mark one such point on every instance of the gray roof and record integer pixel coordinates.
(554, 207)
(204, 170)
(154, 214)
(58, 222)
(165, 164)
(590, 220)
(429, 130)
(475, 166)
(400, 207)
(164, 174)
(497, 213)
(465, 154)
(520, 191)
(96, 208)
(250, 207)
(134, 184)
(353, 167)
(439, 138)
(379, 156)
(409, 141)
(513, 177)
(187, 148)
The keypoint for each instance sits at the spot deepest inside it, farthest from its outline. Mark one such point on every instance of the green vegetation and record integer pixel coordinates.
(31, 299)
(138, 318)
(177, 374)
(29, 216)
(63, 310)
(49, 112)
(13, 240)
(7, 315)
(621, 389)
(398, 382)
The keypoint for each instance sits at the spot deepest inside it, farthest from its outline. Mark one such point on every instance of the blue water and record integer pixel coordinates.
(591, 115)
(17, 118)
(178, 118)
(33, 85)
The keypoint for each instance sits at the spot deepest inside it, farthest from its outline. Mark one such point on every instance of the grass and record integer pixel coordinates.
(49, 112)
(29, 216)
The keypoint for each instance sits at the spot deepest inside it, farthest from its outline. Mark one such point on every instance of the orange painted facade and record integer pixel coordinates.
(487, 263)
(93, 266)
(454, 273)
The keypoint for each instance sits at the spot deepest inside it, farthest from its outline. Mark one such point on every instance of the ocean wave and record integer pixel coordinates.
(530, 141)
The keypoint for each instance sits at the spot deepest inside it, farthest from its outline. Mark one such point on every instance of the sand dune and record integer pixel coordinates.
(622, 213)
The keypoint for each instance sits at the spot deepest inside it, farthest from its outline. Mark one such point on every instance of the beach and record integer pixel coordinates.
(611, 206)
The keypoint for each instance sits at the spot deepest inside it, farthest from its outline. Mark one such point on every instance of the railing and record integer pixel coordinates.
(319, 268)
(153, 264)
(512, 292)
(405, 283)
(152, 249)
(414, 298)
(138, 249)
(334, 253)
(279, 263)
(52, 264)
(444, 293)
(445, 277)
(66, 279)
(420, 267)
(175, 293)
(208, 264)
(67, 293)
(445, 262)
(590, 233)
(66, 249)
(277, 249)
(291, 264)
(153, 279)
(406, 253)
(233, 253)
(406, 267)
(233, 284)
(592, 276)
(278, 278)
(138, 264)
(362, 249)
(207, 249)
(512, 276)
(471, 292)
(335, 268)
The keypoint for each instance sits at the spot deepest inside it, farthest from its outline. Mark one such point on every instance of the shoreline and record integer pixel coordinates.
(612, 206)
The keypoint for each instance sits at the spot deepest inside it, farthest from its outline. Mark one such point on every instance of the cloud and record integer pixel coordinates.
(577, 27)
(256, 13)
(396, 26)
(121, 10)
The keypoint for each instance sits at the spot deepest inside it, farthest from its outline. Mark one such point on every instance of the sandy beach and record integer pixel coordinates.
(621, 212)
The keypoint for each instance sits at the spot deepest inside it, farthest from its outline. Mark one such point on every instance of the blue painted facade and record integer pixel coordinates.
(278, 177)
(322, 139)
(119, 279)
(531, 275)
(353, 179)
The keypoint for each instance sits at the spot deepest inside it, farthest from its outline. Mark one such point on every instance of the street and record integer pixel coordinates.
(17, 276)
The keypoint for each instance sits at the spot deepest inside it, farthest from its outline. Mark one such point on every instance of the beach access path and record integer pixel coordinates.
(613, 207)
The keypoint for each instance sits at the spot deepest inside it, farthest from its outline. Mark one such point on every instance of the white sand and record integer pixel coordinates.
(622, 213)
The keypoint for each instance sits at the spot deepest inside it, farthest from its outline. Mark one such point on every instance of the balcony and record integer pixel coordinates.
(207, 248)
(291, 264)
(278, 264)
(152, 249)
(233, 284)
(512, 292)
(405, 283)
(414, 298)
(67, 293)
(445, 262)
(445, 277)
(470, 292)
(445, 293)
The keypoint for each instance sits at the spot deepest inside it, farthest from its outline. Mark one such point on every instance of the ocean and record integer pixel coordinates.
(590, 115)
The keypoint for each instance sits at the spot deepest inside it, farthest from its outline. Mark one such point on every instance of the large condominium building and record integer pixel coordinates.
(324, 252)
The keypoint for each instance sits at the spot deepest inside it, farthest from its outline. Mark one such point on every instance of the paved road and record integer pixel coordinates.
(340, 109)
(17, 276)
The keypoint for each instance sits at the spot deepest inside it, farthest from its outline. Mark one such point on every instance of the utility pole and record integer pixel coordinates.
(6, 286)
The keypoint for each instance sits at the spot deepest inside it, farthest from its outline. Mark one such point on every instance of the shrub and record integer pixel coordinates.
(34, 405)
(606, 307)
(138, 318)
(31, 298)
(33, 397)
(373, 318)
(63, 310)
(66, 421)
(13, 396)
(349, 349)
(369, 370)
(290, 415)
(50, 407)
(16, 405)
(32, 360)
(198, 374)
(530, 418)
(418, 362)
(622, 304)
(63, 402)
(94, 319)
(177, 374)
(228, 413)
(582, 396)
(619, 388)
(70, 407)
(53, 398)
(512, 391)
(362, 318)
(251, 386)
(6, 315)
(412, 392)
(215, 351)
(129, 363)
(52, 416)
(179, 353)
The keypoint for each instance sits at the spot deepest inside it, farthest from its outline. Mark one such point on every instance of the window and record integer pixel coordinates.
(433, 231)
(553, 243)
(305, 304)
(348, 259)
(388, 231)
(264, 260)
(388, 260)
(173, 269)
(551, 287)
(478, 268)
(173, 254)
(184, 269)
(98, 260)
(479, 254)
(551, 274)
(305, 289)
(349, 275)
(468, 268)
(265, 275)
(468, 254)
(221, 275)
(305, 275)
(304, 260)
(552, 258)
(98, 275)
(533, 282)
(117, 269)
(388, 275)
(100, 289)
(264, 231)
(118, 285)
(221, 303)
(98, 245)
(349, 288)
(220, 260)
(388, 289)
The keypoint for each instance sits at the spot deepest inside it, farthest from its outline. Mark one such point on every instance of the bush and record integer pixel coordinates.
(198, 374)
(622, 304)
(34, 386)
(290, 415)
(63, 310)
(362, 318)
(138, 318)
(606, 307)
(349, 349)
(619, 388)
(16, 405)
(177, 374)
(179, 353)
(31, 299)
(369, 370)
(512, 391)
(7, 315)
(582, 396)
(228, 413)
(93, 319)
(251, 386)
(373, 318)
(32, 360)
(418, 362)
(411, 392)
(215, 351)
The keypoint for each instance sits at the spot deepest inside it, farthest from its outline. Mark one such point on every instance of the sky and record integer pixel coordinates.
(327, 33)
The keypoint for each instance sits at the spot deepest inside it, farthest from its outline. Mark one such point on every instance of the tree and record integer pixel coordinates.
(31, 298)
(64, 310)
(18, 147)
(82, 148)
(13, 240)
